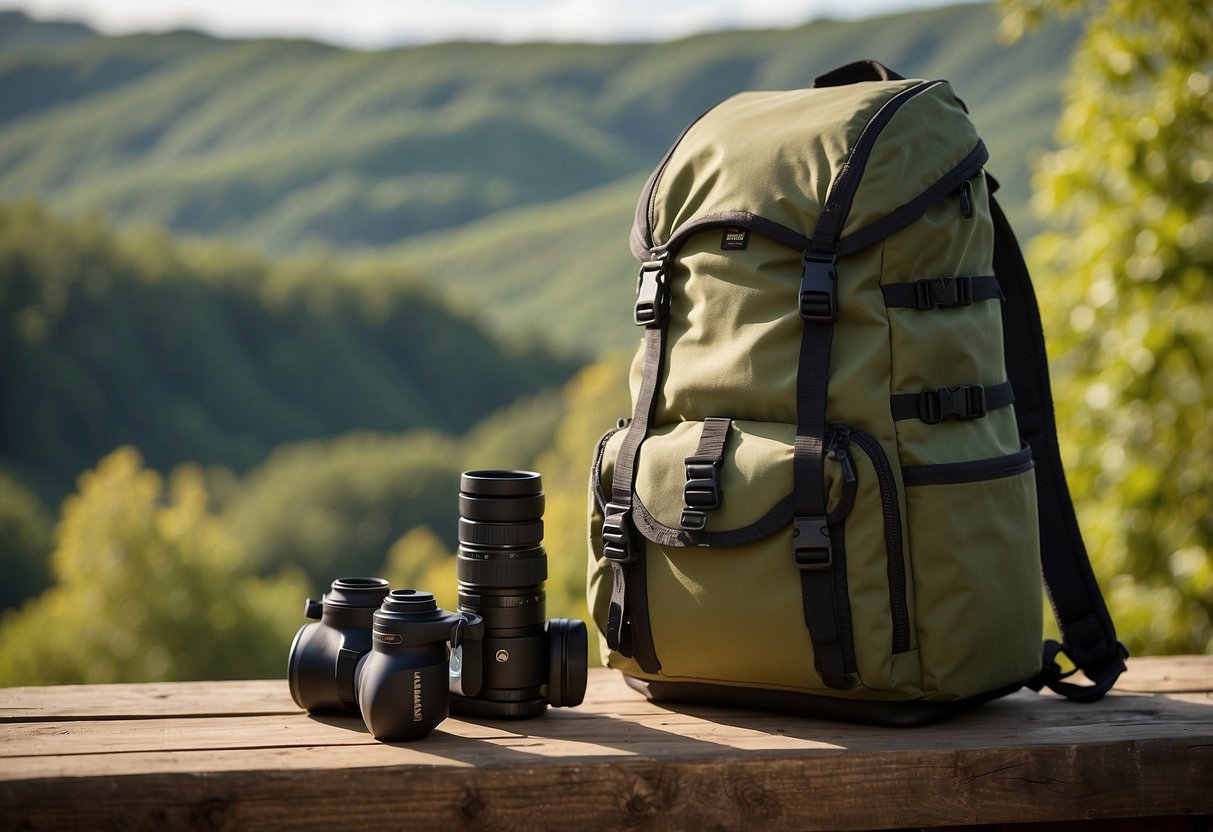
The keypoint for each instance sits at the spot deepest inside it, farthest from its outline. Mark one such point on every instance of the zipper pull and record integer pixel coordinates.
(965, 192)
(839, 440)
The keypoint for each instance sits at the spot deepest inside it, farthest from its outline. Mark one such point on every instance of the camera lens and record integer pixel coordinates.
(501, 569)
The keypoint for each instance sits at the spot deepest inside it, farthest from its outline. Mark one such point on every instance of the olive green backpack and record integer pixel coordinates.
(841, 478)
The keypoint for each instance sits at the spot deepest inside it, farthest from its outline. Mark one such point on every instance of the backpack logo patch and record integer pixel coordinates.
(735, 238)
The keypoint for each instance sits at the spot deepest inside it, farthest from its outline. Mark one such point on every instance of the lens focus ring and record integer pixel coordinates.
(501, 509)
(477, 533)
(498, 571)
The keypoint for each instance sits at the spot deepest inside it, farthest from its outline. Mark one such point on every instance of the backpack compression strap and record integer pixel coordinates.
(1088, 635)
(627, 630)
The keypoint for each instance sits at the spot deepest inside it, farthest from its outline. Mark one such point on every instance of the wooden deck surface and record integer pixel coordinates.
(242, 755)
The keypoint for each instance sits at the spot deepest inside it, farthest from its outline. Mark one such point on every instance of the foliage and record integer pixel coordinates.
(594, 401)
(1131, 295)
(151, 585)
(25, 543)
(335, 507)
(207, 353)
(148, 586)
(421, 560)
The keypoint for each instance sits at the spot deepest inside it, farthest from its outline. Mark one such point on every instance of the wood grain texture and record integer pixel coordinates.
(241, 755)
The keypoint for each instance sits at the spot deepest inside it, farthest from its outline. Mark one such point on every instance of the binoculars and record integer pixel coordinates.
(403, 663)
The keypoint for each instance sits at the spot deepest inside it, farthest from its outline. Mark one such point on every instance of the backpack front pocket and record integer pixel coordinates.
(975, 554)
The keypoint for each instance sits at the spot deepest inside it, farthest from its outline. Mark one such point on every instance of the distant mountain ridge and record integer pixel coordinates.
(421, 157)
(19, 31)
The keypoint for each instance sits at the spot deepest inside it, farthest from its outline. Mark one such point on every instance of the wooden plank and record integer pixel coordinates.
(599, 730)
(1149, 674)
(871, 790)
(139, 701)
(1167, 674)
(190, 757)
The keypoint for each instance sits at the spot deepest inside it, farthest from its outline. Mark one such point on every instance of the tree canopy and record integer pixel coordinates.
(1129, 272)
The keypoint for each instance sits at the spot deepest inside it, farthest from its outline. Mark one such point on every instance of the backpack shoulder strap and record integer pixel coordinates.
(1088, 635)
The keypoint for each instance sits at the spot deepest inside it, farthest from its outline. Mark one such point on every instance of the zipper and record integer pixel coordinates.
(894, 547)
(839, 439)
(596, 471)
(842, 192)
(978, 470)
(965, 194)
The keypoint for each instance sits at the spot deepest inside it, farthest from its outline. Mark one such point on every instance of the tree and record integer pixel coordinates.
(25, 542)
(148, 587)
(1128, 278)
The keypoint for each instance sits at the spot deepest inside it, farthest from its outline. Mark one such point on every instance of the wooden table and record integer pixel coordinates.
(241, 755)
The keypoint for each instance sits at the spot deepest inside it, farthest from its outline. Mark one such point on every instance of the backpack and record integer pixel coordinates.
(841, 479)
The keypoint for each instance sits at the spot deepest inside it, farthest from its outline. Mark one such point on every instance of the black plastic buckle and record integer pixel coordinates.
(944, 292)
(818, 287)
(966, 401)
(694, 520)
(703, 483)
(616, 535)
(652, 293)
(811, 549)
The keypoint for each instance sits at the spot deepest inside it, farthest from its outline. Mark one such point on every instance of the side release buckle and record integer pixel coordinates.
(811, 549)
(818, 287)
(652, 293)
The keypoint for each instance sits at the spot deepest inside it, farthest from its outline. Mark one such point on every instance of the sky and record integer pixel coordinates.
(370, 24)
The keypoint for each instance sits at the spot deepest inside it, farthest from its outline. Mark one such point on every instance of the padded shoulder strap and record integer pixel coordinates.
(1088, 635)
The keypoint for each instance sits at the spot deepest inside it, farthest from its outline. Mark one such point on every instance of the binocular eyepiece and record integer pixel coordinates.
(403, 663)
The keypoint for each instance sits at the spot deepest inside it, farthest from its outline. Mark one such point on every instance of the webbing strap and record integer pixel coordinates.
(964, 401)
(941, 292)
(702, 491)
(811, 550)
(627, 630)
(1088, 634)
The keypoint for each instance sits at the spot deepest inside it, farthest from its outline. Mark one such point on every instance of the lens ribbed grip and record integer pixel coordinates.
(502, 572)
(500, 534)
(501, 509)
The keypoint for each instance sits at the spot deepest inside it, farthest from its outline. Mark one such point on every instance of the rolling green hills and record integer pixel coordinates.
(214, 355)
(504, 174)
(334, 269)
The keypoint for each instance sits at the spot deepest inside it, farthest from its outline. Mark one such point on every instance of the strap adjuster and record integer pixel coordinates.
(617, 544)
(702, 490)
(811, 549)
(818, 287)
(944, 292)
(652, 293)
(693, 520)
(965, 401)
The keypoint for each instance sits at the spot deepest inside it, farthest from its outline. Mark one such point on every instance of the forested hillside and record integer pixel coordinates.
(481, 167)
(207, 354)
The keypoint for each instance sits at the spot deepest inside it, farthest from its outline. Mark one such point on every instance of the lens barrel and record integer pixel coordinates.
(501, 568)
